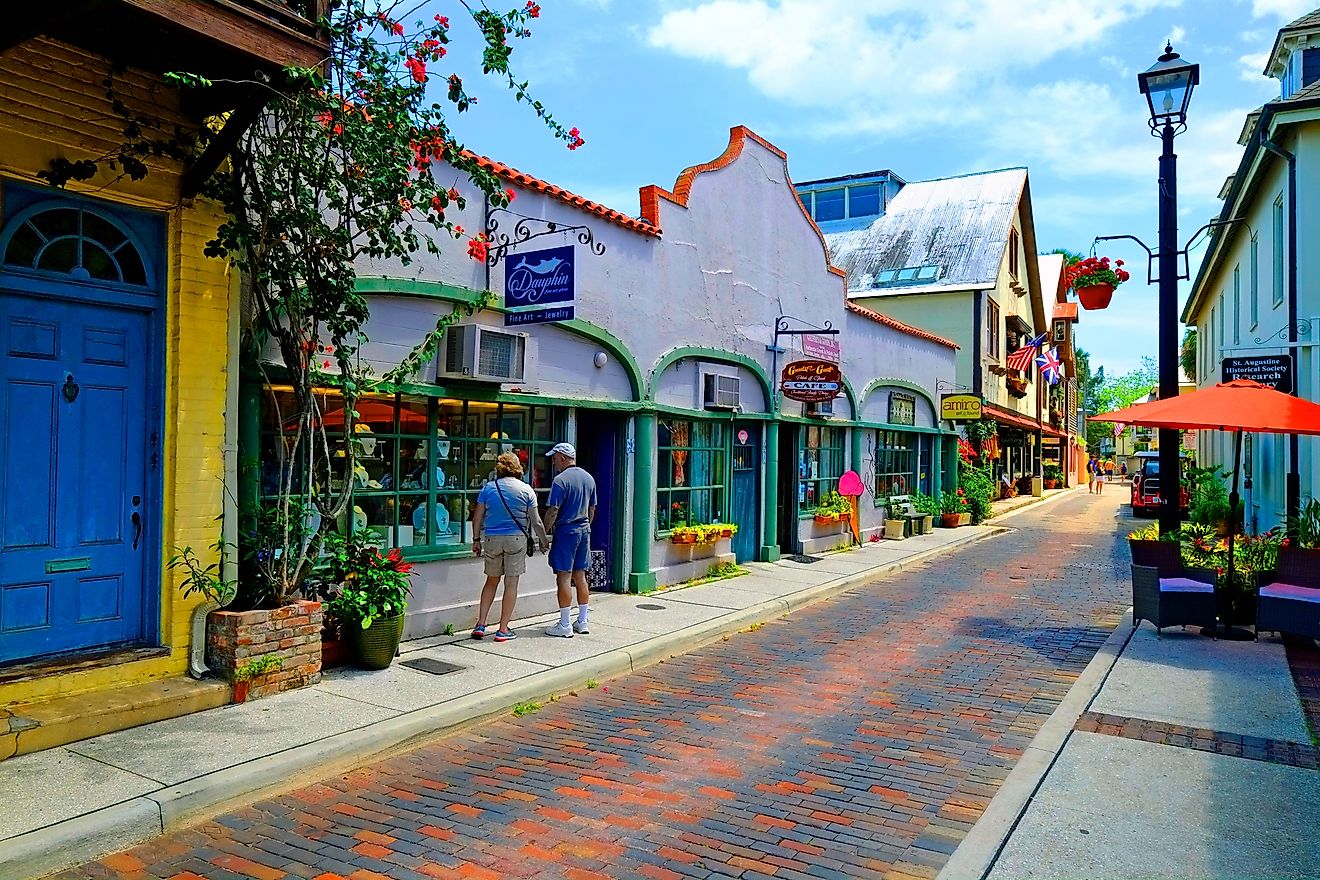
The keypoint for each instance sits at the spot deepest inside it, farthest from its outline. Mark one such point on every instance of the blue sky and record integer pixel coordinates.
(928, 88)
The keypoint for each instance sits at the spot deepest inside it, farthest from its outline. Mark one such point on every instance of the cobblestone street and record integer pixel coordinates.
(861, 737)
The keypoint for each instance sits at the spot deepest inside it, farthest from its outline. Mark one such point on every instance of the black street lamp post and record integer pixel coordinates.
(1168, 86)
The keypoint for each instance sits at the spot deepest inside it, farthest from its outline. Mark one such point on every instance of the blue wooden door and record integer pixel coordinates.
(73, 482)
(745, 502)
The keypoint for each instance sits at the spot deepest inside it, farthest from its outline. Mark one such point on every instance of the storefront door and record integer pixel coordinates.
(746, 500)
(789, 484)
(599, 435)
(73, 476)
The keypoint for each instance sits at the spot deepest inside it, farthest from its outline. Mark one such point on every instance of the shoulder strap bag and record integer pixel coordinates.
(525, 529)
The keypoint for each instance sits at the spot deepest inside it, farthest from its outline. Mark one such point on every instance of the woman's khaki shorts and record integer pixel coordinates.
(504, 555)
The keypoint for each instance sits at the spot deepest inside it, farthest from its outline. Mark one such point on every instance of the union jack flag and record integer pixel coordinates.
(1050, 366)
(1021, 359)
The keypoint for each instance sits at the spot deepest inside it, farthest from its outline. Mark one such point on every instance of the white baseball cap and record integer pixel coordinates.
(564, 449)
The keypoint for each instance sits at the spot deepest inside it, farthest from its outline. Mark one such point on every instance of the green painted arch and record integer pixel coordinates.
(451, 293)
(855, 413)
(674, 355)
(901, 383)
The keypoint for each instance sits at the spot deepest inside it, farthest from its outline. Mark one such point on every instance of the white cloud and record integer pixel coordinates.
(1286, 9)
(1177, 35)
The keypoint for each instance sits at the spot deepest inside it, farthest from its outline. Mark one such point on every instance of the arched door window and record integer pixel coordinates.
(76, 242)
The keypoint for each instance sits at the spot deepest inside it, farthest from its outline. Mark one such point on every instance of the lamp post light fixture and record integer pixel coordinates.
(1168, 86)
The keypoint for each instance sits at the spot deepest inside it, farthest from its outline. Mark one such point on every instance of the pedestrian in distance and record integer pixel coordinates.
(568, 516)
(1122, 471)
(1090, 475)
(503, 522)
(1099, 477)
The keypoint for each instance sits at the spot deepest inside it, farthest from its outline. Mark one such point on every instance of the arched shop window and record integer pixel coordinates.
(692, 478)
(79, 243)
(400, 476)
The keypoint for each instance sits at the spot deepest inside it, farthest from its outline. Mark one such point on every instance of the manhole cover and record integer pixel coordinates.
(804, 558)
(432, 665)
(651, 607)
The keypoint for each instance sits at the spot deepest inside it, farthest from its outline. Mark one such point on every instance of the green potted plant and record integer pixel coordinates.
(368, 595)
(254, 668)
(1053, 476)
(952, 506)
(833, 508)
(682, 533)
(929, 508)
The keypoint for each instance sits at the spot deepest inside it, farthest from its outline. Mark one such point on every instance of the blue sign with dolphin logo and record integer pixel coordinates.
(538, 286)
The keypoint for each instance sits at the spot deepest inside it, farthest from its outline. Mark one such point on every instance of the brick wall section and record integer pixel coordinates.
(292, 633)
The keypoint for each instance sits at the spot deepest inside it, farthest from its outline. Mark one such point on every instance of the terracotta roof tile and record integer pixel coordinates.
(900, 326)
(513, 175)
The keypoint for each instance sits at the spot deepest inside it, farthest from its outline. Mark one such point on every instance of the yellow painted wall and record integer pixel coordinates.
(52, 104)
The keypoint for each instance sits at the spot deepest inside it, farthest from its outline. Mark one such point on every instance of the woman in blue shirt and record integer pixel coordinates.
(504, 520)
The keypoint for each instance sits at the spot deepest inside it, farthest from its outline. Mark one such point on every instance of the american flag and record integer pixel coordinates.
(1021, 359)
(1050, 366)
(1118, 428)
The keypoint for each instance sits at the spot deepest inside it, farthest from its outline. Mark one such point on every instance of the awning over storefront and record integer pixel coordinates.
(1007, 417)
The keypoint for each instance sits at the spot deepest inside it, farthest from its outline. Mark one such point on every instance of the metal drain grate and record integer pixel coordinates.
(804, 558)
(651, 607)
(432, 665)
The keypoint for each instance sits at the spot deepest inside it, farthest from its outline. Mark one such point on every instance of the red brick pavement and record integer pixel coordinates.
(1304, 663)
(860, 738)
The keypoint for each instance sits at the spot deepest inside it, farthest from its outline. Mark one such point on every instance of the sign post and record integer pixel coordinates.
(1278, 371)
(811, 381)
(960, 407)
(538, 286)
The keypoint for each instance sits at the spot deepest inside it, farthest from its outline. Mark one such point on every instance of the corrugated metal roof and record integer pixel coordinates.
(958, 223)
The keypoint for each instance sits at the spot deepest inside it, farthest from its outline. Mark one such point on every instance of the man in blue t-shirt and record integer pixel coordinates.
(569, 511)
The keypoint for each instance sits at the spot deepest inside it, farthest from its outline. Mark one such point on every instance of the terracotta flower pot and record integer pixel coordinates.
(241, 690)
(1095, 296)
(726, 533)
(683, 539)
(950, 520)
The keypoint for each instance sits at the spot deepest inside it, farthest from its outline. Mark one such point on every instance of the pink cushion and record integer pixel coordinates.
(1290, 591)
(1184, 585)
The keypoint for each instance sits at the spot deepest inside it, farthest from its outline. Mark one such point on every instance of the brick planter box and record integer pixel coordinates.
(292, 633)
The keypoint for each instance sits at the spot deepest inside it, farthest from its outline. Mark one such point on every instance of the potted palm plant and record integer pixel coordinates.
(952, 506)
(368, 596)
(1053, 476)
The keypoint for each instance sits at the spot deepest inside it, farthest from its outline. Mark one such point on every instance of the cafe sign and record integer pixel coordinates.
(960, 407)
(1275, 370)
(813, 381)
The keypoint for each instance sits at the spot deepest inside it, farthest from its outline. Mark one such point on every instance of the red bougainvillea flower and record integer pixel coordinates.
(510, 194)
(417, 67)
(479, 247)
(575, 138)
(438, 204)
(442, 20)
(533, 10)
(453, 194)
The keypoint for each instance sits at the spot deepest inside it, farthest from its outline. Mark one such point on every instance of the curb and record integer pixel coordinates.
(978, 851)
(119, 826)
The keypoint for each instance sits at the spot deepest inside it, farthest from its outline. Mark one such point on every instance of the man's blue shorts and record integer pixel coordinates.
(571, 549)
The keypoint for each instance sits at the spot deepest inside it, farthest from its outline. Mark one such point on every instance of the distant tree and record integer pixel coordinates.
(1107, 394)
(1187, 354)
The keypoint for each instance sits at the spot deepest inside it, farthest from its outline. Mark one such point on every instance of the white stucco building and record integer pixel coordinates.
(664, 379)
(1257, 293)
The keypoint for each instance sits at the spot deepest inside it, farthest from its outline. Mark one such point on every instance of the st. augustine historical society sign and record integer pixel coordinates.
(1274, 370)
(538, 286)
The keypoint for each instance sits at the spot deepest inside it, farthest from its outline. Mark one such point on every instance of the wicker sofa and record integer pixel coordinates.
(1166, 593)
(1290, 602)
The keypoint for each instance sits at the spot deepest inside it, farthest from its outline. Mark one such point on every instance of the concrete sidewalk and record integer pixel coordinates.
(1175, 757)
(77, 802)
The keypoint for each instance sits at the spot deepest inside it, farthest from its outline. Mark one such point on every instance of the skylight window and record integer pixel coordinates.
(905, 276)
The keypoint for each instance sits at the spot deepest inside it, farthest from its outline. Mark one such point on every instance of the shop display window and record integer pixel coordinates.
(820, 464)
(692, 480)
(416, 456)
(895, 463)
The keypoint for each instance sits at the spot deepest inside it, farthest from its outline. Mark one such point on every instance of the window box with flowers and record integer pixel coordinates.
(1094, 280)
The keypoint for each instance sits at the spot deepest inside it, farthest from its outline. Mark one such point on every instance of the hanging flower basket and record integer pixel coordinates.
(1095, 296)
(1094, 280)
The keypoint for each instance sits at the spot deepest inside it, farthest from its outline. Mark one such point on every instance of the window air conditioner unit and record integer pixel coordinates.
(484, 354)
(719, 392)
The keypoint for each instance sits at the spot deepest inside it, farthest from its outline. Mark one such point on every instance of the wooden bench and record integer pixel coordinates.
(901, 507)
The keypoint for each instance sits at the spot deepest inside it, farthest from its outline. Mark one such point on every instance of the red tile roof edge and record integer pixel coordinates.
(520, 178)
(1066, 310)
(900, 326)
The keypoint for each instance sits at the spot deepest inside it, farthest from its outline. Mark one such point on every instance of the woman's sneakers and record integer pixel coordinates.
(505, 635)
(479, 632)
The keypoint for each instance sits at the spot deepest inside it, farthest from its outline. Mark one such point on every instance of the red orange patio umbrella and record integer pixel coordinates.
(1240, 405)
